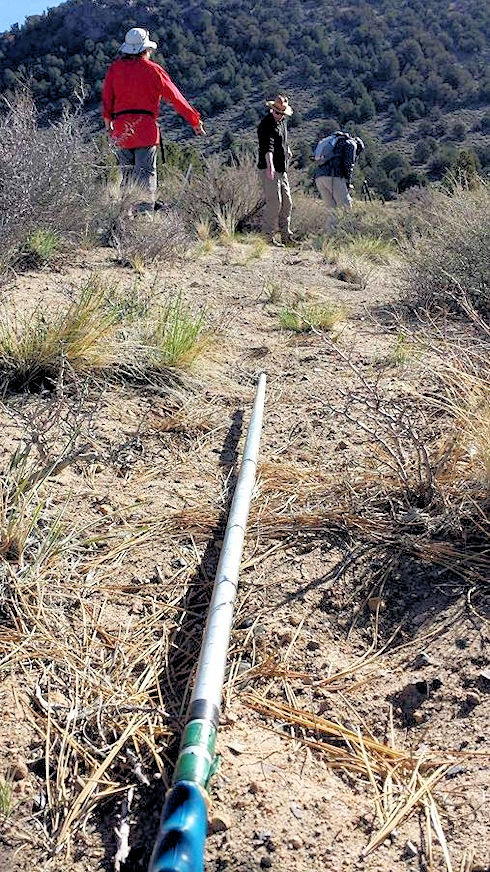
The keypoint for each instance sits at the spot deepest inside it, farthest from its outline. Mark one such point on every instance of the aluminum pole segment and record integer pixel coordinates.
(179, 845)
(210, 674)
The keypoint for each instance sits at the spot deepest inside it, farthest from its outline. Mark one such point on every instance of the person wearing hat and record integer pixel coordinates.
(131, 94)
(335, 156)
(274, 155)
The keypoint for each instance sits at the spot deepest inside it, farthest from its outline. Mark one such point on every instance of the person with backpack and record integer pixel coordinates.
(335, 156)
(273, 162)
(131, 94)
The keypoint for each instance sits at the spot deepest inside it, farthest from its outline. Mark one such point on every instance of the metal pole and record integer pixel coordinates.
(179, 846)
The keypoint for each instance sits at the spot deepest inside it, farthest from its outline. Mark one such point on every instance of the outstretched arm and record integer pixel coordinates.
(172, 95)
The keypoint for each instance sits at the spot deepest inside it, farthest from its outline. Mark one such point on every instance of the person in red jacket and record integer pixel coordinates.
(131, 94)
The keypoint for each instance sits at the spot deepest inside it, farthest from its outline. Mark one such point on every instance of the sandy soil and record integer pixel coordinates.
(276, 801)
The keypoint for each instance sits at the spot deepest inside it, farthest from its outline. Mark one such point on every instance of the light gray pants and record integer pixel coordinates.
(139, 167)
(278, 205)
(334, 193)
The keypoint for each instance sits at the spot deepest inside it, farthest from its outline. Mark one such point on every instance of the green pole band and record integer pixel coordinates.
(196, 754)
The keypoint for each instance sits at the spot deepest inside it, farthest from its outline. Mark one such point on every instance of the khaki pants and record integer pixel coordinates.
(334, 193)
(278, 205)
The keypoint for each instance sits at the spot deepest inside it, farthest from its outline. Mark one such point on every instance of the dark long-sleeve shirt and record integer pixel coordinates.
(273, 138)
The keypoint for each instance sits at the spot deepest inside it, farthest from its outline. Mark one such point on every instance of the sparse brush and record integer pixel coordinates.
(50, 178)
(449, 262)
(372, 249)
(142, 242)
(309, 215)
(25, 532)
(303, 318)
(178, 335)
(226, 219)
(36, 348)
(229, 197)
(273, 291)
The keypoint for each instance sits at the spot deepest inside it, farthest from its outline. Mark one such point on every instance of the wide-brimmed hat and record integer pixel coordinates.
(137, 40)
(280, 104)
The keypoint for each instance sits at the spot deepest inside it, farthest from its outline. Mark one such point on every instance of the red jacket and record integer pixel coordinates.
(138, 83)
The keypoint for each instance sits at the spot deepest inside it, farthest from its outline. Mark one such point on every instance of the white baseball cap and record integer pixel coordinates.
(136, 41)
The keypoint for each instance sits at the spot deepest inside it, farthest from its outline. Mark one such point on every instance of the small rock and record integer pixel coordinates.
(485, 674)
(297, 810)
(295, 842)
(245, 624)
(104, 509)
(313, 645)
(254, 788)
(262, 837)
(18, 770)
(473, 698)
(375, 603)
(418, 717)
(265, 862)
(418, 619)
(220, 822)
(423, 659)
(457, 769)
(295, 620)
(410, 849)
(244, 665)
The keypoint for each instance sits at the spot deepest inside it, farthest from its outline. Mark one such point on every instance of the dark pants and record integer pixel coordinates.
(139, 167)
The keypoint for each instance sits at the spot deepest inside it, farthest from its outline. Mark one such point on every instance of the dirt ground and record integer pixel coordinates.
(303, 605)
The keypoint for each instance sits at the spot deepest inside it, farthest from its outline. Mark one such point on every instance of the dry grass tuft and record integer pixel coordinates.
(303, 318)
(177, 335)
(38, 348)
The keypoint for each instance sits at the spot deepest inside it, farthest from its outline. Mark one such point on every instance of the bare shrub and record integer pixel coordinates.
(226, 196)
(142, 242)
(309, 215)
(49, 178)
(448, 265)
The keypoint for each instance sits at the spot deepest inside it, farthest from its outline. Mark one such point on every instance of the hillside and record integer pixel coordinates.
(385, 68)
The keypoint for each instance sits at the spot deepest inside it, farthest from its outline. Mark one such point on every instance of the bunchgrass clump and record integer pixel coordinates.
(40, 248)
(36, 348)
(178, 335)
(373, 249)
(303, 318)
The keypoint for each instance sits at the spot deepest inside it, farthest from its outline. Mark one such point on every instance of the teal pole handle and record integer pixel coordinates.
(179, 845)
